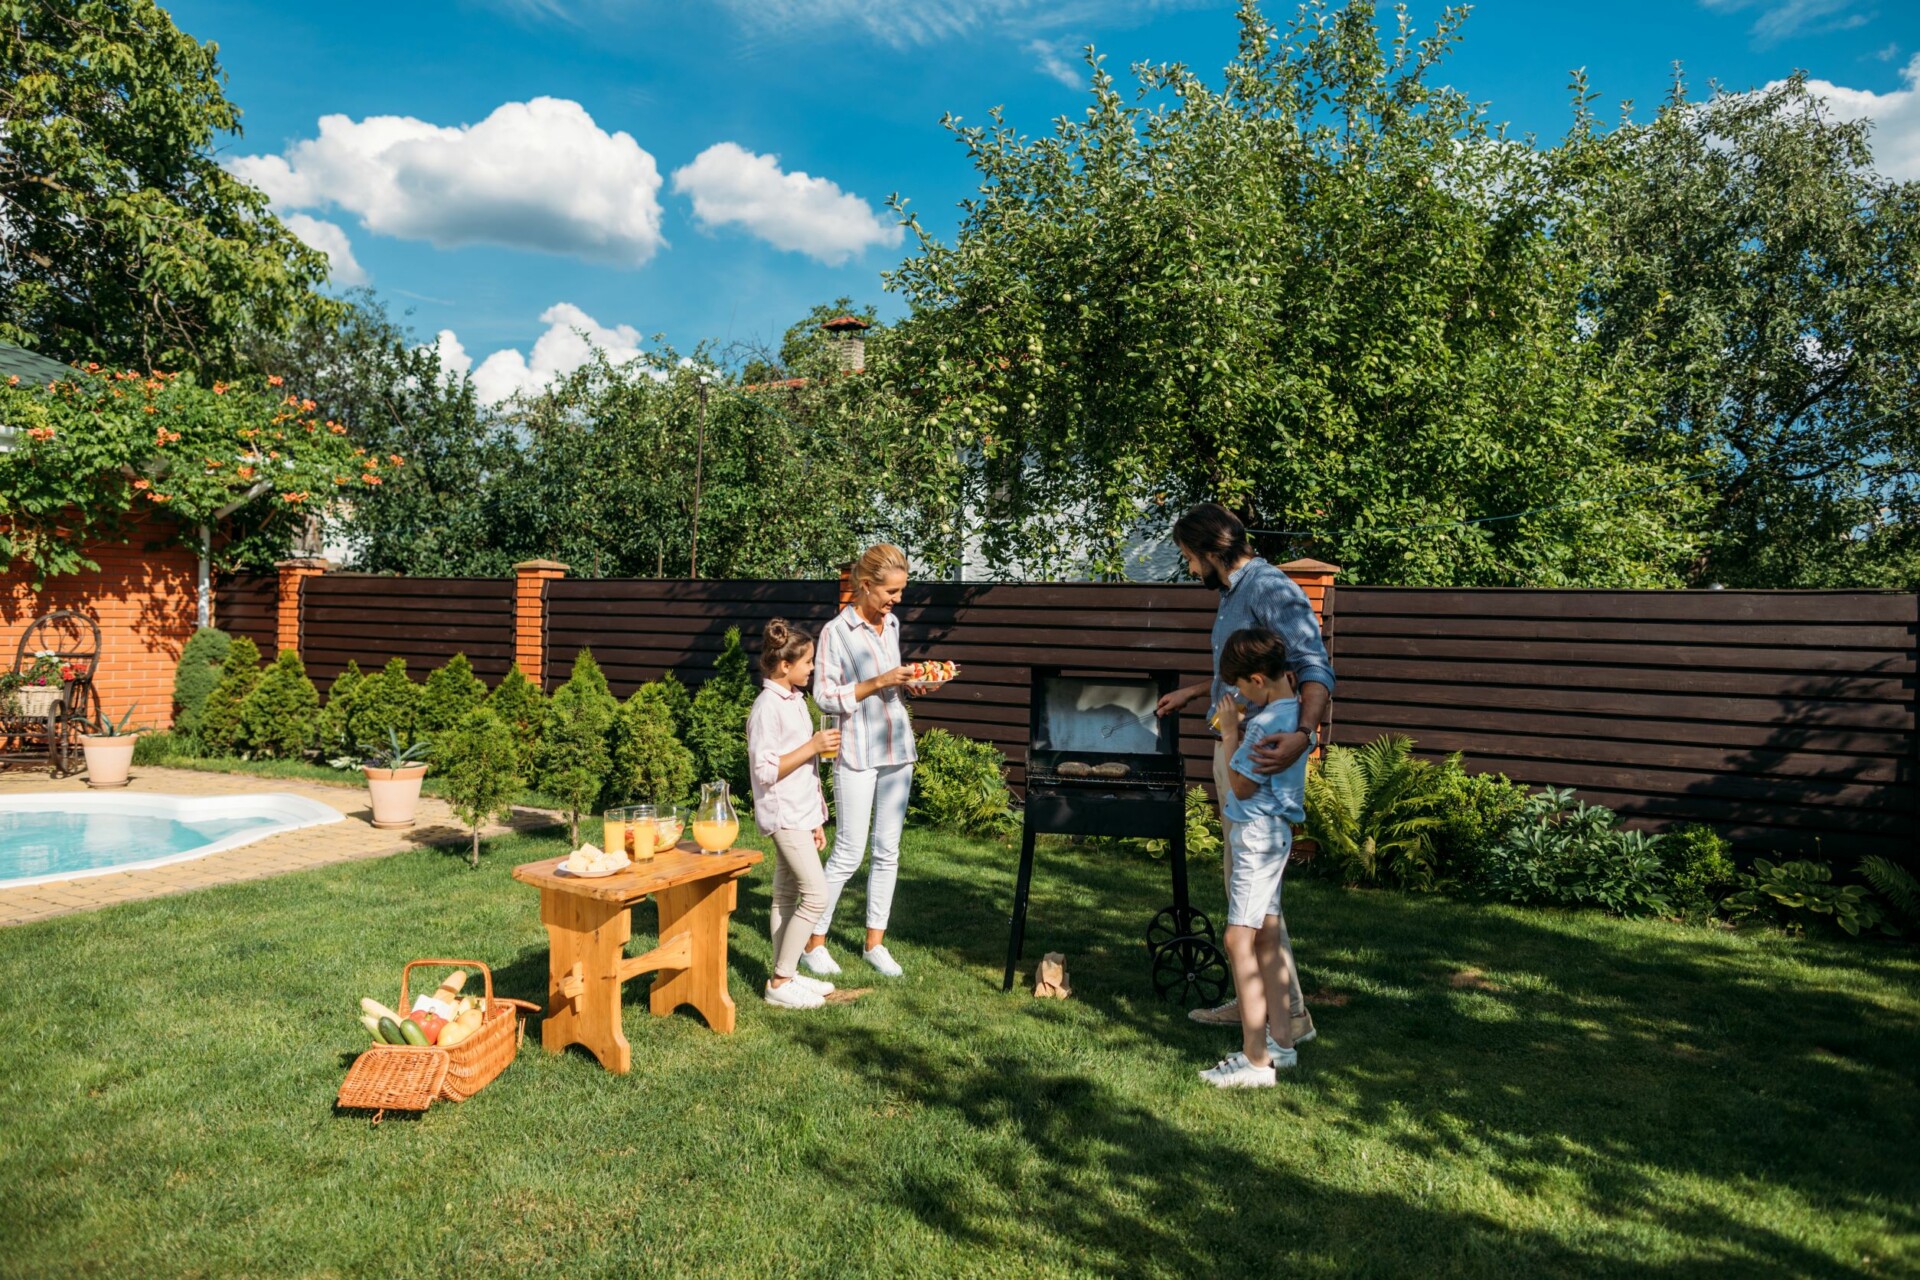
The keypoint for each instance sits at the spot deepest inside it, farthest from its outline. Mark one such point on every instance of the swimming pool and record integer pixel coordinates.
(63, 837)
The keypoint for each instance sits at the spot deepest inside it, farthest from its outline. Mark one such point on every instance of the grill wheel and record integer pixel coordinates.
(1178, 922)
(1190, 970)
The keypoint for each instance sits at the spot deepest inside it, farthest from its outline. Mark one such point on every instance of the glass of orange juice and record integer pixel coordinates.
(613, 831)
(640, 832)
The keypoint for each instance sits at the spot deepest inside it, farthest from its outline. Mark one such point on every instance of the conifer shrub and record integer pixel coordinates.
(478, 764)
(388, 701)
(335, 722)
(649, 764)
(717, 720)
(521, 706)
(279, 718)
(446, 698)
(201, 661)
(222, 730)
(572, 762)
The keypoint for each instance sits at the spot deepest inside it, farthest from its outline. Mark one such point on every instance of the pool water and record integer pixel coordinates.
(40, 844)
(48, 836)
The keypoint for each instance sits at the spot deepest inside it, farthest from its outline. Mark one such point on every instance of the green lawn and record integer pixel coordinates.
(1494, 1092)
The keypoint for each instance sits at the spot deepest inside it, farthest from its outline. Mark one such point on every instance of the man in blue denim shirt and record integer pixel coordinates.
(1254, 594)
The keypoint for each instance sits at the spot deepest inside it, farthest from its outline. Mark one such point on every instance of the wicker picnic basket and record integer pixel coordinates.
(404, 1077)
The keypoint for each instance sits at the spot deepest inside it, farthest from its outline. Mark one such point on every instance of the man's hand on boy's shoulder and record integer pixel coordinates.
(1277, 752)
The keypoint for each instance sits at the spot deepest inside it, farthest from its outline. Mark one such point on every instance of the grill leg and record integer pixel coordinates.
(1177, 855)
(1017, 936)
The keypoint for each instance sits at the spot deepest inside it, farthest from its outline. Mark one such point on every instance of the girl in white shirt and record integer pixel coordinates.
(789, 807)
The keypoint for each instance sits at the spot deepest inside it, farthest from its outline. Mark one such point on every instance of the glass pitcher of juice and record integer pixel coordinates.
(715, 824)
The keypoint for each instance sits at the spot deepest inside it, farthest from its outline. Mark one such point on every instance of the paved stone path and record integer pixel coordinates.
(348, 841)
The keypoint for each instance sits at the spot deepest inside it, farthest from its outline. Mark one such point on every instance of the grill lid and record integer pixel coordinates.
(1100, 715)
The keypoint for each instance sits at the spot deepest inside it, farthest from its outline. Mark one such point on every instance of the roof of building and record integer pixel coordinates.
(838, 323)
(30, 366)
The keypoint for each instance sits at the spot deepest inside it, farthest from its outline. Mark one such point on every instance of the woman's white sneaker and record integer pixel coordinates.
(814, 985)
(791, 995)
(819, 961)
(880, 959)
(1235, 1072)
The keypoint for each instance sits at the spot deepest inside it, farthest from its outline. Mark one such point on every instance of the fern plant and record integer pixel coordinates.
(1372, 810)
(1897, 885)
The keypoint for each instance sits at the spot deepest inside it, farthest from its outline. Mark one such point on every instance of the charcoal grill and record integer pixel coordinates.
(1101, 763)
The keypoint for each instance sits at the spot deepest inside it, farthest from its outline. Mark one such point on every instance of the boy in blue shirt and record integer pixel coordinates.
(1262, 810)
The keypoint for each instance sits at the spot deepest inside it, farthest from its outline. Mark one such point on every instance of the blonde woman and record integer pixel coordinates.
(859, 679)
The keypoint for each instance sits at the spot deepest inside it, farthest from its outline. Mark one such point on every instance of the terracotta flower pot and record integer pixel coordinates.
(108, 758)
(395, 794)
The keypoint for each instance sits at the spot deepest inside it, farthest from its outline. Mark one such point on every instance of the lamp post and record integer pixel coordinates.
(699, 458)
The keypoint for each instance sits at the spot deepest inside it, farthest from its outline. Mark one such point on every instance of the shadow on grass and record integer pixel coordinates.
(1620, 1060)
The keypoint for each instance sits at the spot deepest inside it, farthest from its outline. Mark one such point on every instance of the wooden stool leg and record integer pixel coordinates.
(586, 941)
(700, 910)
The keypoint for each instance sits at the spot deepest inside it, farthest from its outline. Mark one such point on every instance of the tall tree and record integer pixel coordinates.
(122, 240)
(1327, 293)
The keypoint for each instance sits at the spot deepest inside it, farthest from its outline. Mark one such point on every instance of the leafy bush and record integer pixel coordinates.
(222, 730)
(201, 661)
(1204, 839)
(479, 773)
(386, 702)
(1796, 894)
(1897, 886)
(1699, 867)
(1476, 811)
(649, 764)
(521, 706)
(571, 765)
(717, 720)
(960, 785)
(335, 722)
(1371, 809)
(447, 696)
(278, 719)
(157, 748)
(1567, 854)
(673, 698)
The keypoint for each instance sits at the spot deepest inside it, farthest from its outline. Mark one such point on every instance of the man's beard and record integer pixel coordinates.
(1213, 578)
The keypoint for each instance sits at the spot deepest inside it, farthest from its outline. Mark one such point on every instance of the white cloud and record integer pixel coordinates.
(537, 175)
(570, 340)
(1780, 19)
(328, 238)
(1055, 59)
(906, 24)
(732, 186)
(1896, 120)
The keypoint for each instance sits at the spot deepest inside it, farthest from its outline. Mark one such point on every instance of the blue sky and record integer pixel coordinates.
(508, 172)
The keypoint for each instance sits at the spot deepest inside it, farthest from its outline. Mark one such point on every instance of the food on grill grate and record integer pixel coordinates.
(1074, 769)
(1111, 769)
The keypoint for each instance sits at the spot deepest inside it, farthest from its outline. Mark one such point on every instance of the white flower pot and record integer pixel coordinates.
(395, 794)
(108, 758)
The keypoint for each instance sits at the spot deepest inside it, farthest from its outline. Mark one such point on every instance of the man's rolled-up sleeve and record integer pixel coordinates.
(1285, 610)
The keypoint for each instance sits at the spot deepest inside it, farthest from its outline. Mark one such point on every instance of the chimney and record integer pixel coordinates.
(850, 340)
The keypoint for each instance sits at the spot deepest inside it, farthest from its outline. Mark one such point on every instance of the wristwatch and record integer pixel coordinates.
(1313, 736)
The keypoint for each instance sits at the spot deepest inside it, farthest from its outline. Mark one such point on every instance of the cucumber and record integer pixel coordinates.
(391, 1033)
(414, 1035)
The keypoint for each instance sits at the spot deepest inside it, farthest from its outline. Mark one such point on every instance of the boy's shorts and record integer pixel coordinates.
(1261, 847)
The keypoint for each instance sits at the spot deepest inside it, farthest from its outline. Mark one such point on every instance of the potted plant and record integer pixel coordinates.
(109, 752)
(393, 780)
(34, 691)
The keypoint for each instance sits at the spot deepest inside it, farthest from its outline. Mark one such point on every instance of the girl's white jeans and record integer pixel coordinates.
(867, 801)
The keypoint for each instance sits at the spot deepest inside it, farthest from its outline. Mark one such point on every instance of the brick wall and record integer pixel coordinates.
(144, 602)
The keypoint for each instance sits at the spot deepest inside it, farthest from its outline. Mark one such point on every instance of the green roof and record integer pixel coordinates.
(29, 366)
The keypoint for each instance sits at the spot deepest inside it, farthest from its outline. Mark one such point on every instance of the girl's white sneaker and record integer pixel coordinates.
(819, 961)
(1235, 1072)
(882, 960)
(791, 995)
(814, 985)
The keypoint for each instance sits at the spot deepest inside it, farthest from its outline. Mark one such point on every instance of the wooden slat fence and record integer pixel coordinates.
(1785, 718)
(641, 628)
(369, 618)
(245, 604)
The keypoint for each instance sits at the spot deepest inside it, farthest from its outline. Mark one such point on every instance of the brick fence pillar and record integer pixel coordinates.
(530, 615)
(846, 584)
(1315, 577)
(293, 573)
